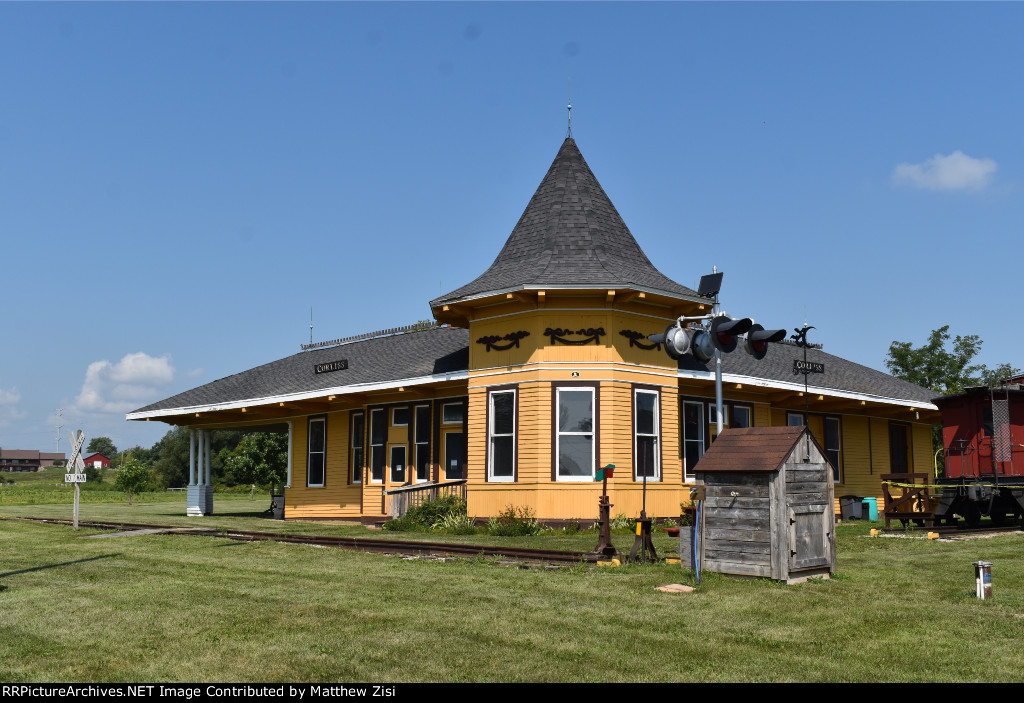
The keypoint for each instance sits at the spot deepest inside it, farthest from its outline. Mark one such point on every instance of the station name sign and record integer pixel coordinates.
(329, 366)
(806, 367)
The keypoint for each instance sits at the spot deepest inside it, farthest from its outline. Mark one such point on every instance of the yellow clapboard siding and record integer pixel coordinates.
(337, 497)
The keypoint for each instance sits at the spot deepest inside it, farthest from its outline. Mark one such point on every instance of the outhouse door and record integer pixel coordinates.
(810, 536)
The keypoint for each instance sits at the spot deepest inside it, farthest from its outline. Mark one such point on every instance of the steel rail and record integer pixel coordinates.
(365, 544)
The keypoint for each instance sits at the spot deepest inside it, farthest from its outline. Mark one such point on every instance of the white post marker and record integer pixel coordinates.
(76, 463)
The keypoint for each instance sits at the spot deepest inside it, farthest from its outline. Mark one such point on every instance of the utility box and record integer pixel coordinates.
(851, 507)
(769, 506)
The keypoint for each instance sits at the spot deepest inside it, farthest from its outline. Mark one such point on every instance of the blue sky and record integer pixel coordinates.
(181, 182)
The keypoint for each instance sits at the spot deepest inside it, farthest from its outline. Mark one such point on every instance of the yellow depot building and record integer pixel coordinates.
(534, 375)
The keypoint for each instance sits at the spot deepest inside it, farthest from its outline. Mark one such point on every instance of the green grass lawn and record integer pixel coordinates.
(182, 608)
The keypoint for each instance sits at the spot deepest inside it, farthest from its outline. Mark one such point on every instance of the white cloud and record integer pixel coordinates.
(194, 373)
(958, 171)
(9, 397)
(124, 386)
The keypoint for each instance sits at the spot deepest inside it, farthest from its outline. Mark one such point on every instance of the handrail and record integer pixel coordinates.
(406, 497)
(424, 486)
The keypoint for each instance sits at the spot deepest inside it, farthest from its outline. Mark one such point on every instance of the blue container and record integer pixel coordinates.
(870, 508)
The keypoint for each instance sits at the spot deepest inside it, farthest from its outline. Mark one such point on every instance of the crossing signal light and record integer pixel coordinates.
(725, 332)
(757, 339)
(675, 339)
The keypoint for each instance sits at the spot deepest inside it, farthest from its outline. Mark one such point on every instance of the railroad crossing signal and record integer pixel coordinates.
(78, 464)
(722, 334)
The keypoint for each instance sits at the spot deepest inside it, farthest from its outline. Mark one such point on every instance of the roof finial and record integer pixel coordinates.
(568, 134)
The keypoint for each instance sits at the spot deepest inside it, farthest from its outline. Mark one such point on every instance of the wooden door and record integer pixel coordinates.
(810, 537)
(898, 454)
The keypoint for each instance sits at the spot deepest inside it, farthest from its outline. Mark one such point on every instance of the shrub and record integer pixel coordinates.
(621, 523)
(514, 522)
(432, 514)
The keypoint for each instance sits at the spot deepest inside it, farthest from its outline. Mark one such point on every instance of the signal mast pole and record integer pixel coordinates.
(716, 310)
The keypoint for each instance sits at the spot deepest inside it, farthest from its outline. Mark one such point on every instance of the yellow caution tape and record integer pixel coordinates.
(948, 485)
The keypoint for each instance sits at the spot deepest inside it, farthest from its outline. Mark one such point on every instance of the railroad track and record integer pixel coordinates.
(950, 531)
(362, 544)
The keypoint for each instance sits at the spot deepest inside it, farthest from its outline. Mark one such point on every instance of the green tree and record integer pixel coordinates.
(131, 478)
(945, 371)
(998, 375)
(261, 458)
(936, 367)
(102, 445)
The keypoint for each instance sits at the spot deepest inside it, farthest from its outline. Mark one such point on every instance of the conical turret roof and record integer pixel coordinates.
(569, 236)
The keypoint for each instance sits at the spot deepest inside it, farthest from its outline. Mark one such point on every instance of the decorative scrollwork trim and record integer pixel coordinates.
(635, 337)
(590, 334)
(491, 341)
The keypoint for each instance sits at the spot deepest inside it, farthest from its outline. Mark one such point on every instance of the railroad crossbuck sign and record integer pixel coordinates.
(78, 464)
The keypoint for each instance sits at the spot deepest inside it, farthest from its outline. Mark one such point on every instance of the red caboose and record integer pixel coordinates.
(983, 439)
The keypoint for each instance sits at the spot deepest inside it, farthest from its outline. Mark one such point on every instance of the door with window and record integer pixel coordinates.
(454, 459)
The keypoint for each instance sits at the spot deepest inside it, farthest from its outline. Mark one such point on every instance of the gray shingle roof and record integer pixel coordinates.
(403, 356)
(840, 374)
(570, 235)
(446, 351)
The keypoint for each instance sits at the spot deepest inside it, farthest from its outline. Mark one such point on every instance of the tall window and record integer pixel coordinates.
(378, 433)
(646, 425)
(358, 452)
(421, 441)
(501, 432)
(693, 435)
(317, 451)
(833, 446)
(574, 440)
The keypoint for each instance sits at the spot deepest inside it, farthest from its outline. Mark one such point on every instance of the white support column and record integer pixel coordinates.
(191, 457)
(208, 486)
(209, 477)
(195, 503)
(200, 454)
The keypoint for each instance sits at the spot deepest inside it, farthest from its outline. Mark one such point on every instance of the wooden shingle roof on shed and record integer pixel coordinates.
(751, 449)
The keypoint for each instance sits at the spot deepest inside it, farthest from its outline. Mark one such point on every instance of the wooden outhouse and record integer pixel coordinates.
(767, 510)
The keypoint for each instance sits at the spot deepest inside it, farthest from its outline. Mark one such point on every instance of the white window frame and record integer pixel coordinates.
(383, 446)
(394, 412)
(688, 471)
(800, 416)
(322, 452)
(491, 435)
(712, 414)
(637, 476)
(444, 408)
(748, 410)
(559, 433)
(417, 444)
(361, 446)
